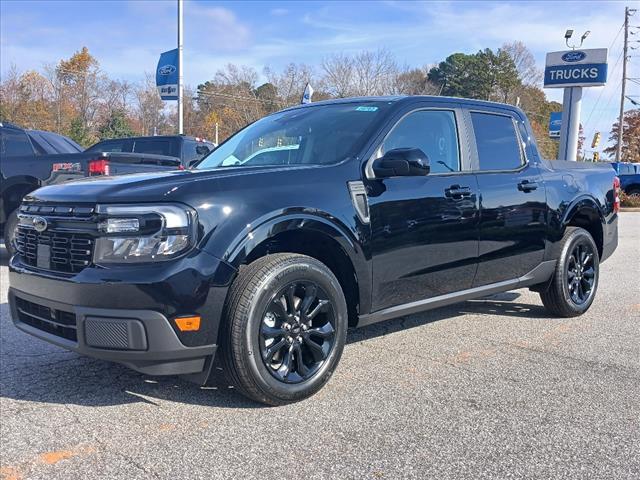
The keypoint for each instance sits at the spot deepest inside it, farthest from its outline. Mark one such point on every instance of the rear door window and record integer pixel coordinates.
(497, 142)
(15, 143)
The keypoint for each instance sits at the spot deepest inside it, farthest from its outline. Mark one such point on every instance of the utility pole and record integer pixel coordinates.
(180, 75)
(625, 57)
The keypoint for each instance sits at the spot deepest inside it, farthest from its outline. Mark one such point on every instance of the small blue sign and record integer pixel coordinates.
(555, 124)
(167, 75)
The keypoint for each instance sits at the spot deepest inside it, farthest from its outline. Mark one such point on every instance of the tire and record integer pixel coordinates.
(10, 232)
(260, 314)
(634, 192)
(575, 280)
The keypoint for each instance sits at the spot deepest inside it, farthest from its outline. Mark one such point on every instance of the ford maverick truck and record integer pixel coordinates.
(311, 220)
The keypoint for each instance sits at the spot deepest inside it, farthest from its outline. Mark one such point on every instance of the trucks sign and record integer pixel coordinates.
(576, 68)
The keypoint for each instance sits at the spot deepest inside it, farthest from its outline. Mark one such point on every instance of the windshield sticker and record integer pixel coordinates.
(366, 109)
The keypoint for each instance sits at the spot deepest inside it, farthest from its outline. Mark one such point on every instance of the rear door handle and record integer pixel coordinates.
(527, 185)
(457, 192)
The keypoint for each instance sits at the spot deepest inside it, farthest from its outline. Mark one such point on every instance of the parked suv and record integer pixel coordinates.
(362, 210)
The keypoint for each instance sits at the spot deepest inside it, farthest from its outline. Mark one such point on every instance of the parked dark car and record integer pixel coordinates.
(369, 209)
(188, 149)
(32, 158)
(629, 175)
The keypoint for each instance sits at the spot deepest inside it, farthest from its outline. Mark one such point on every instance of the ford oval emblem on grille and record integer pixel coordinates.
(40, 224)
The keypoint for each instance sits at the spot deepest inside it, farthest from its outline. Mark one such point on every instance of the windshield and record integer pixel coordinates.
(320, 135)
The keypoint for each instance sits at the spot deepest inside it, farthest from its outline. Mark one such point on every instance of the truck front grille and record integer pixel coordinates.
(55, 322)
(54, 250)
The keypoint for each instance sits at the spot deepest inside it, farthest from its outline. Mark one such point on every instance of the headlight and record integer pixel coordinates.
(144, 233)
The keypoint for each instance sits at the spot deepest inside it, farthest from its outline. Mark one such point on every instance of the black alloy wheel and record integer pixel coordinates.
(581, 274)
(297, 332)
(572, 289)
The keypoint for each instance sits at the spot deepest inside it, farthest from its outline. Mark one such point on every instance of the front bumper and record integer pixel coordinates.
(126, 314)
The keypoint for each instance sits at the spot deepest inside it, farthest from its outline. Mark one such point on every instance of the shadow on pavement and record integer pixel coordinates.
(32, 370)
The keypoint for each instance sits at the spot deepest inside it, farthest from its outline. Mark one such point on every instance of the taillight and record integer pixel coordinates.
(181, 167)
(99, 166)
(616, 194)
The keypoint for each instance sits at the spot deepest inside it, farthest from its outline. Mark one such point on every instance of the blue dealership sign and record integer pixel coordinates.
(555, 123)
(576, 68)
(167, 75)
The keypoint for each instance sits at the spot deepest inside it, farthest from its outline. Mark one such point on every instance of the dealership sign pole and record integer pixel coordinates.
(169, 80)
(180, 78)
(572, 70)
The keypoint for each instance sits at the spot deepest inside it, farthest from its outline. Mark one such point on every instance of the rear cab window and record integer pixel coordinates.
(111, 146)
(52, 143)
(497, 142)
(157, 146)
(14, 143)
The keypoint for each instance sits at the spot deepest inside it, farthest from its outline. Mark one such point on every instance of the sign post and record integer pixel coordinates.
(572, 70)
(180, 78)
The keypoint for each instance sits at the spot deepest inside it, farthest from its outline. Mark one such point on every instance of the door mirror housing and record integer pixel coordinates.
(402, 162)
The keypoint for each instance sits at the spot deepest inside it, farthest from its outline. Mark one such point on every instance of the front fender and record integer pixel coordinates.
(318, 224)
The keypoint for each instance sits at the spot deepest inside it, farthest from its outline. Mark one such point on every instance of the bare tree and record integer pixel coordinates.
(339, 74)
(149, 106)
(414, 81)
(290, 83)
(524, 61)
(374, 72)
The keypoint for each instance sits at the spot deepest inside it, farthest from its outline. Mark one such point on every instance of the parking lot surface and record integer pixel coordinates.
(494, 388)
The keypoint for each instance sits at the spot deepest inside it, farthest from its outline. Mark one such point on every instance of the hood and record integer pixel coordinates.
(136, 187)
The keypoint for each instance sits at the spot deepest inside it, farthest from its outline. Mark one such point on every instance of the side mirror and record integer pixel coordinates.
(402, 162)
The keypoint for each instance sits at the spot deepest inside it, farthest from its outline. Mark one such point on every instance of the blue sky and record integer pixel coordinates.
(127, 36)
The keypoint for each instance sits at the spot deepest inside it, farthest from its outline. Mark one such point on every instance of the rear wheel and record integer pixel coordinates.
(285, 328)
(575, 281)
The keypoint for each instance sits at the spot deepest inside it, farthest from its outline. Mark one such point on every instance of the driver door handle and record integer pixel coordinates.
(527, 186)
(457, 192)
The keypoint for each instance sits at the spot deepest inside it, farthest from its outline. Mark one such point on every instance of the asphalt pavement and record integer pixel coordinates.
(494, 388)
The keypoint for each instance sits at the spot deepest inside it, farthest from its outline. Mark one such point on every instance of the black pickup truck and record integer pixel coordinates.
(33, 158)
(310, 220)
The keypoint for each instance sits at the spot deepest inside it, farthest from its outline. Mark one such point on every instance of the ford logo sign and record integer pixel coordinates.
(40, 224)
(167, 70)
(573, 56)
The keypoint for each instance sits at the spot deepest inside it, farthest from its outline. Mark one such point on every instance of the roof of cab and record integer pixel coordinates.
(407, 99)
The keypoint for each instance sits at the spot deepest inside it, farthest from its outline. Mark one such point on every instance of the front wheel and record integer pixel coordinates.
(10, 232)
(285, 328)
(575, 281)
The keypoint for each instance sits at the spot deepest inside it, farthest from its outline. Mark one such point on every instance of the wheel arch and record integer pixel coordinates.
(321, 238)
(13, 190)
(585, 213)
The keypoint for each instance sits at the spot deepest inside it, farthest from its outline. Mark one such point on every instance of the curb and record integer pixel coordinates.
(629, 209)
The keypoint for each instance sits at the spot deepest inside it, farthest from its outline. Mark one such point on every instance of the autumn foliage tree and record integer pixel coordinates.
(76, 98)
(630, 138)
